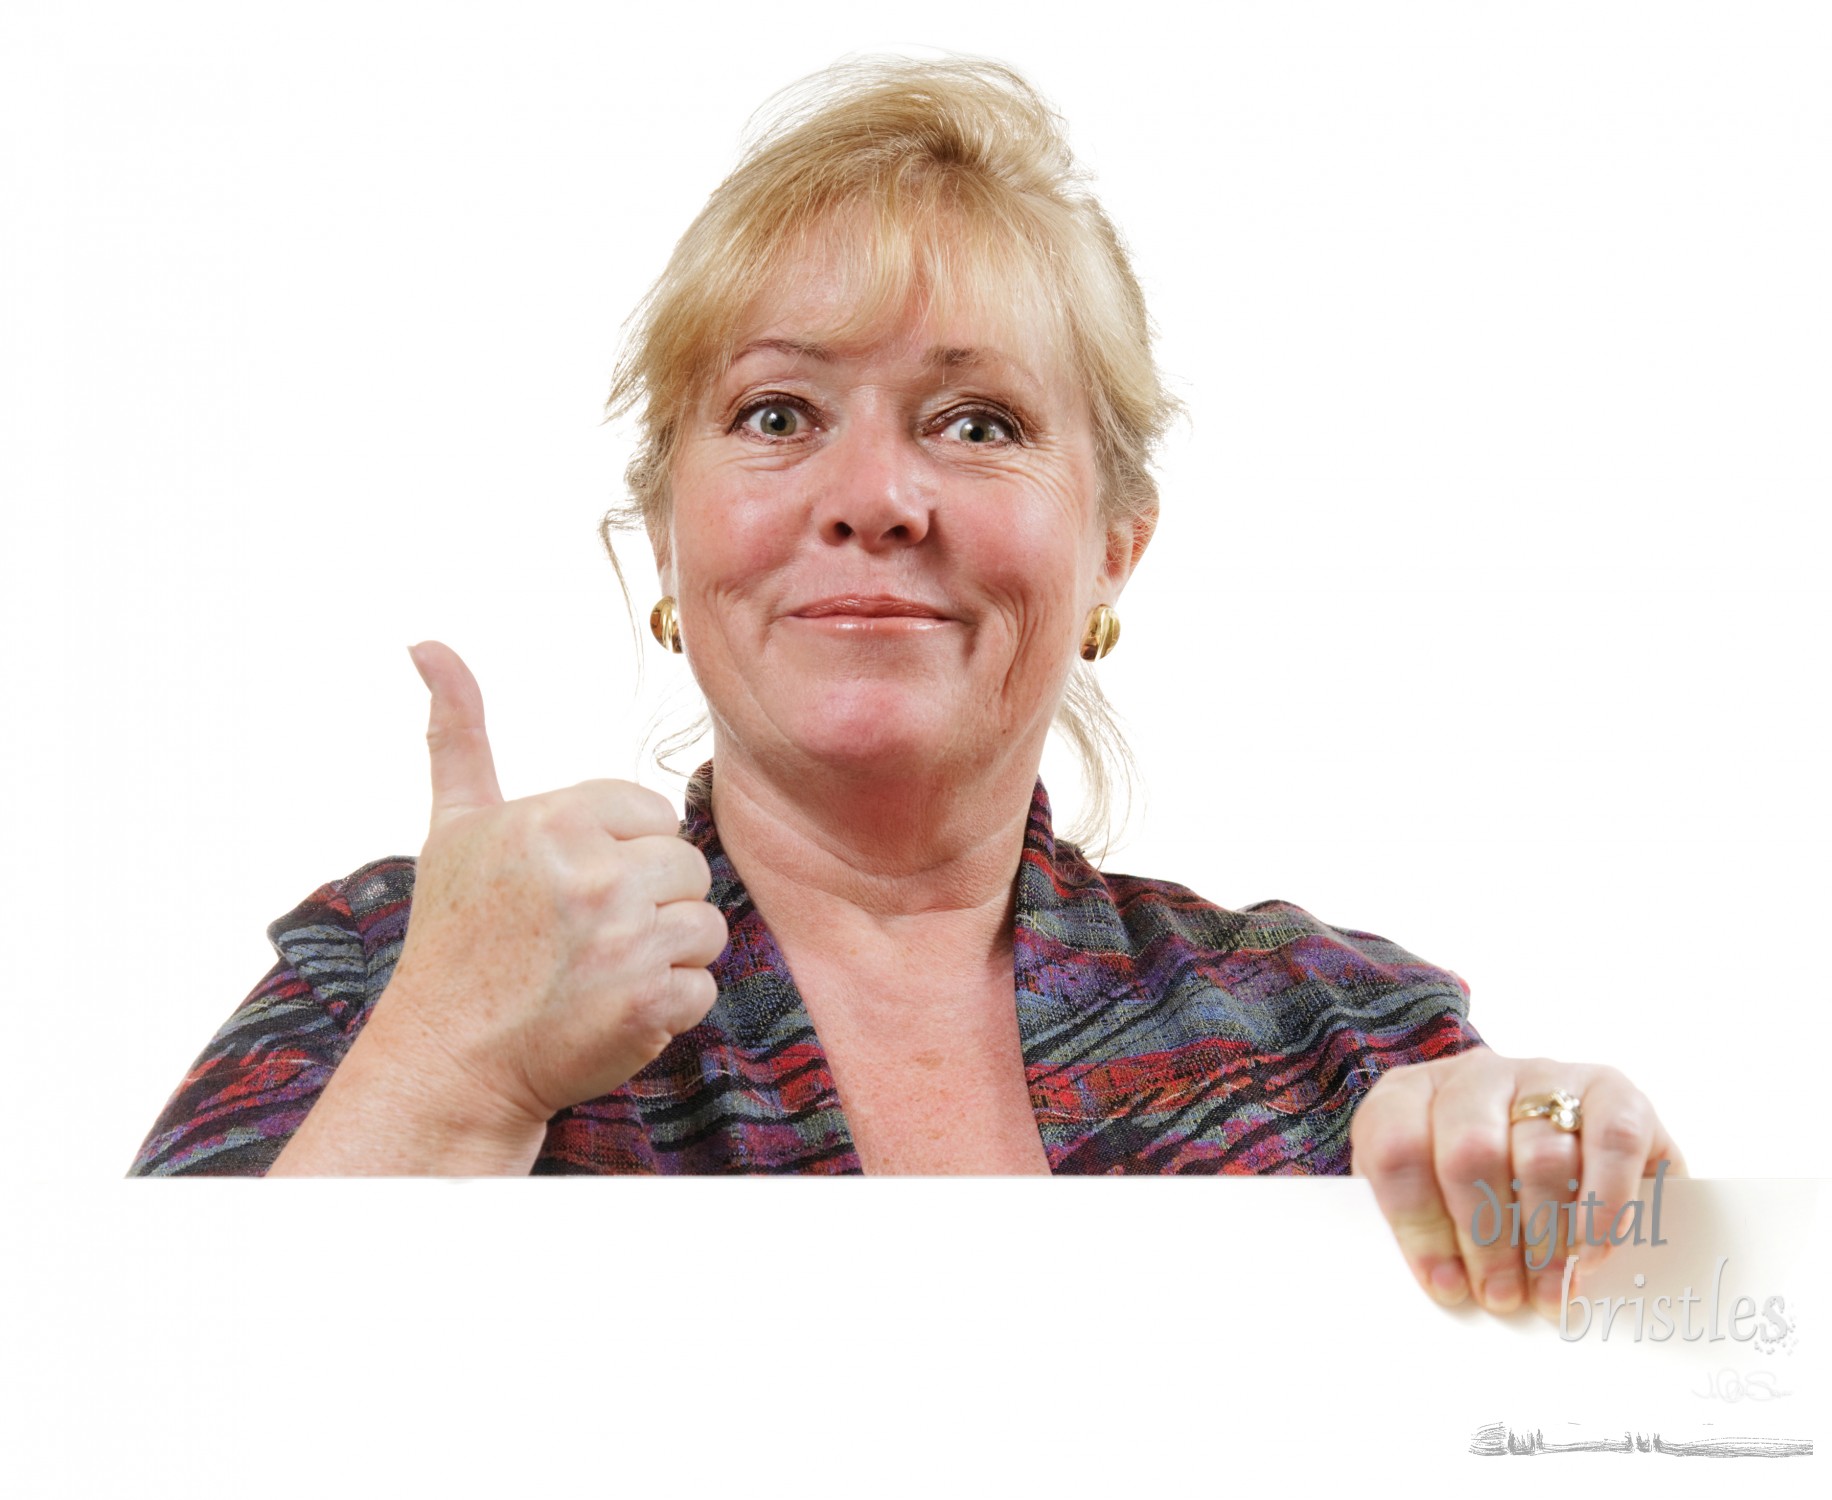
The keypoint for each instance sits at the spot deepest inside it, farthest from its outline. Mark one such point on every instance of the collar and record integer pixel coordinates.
(1071, 952)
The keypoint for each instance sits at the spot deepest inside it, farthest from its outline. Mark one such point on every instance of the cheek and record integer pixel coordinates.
(725, 534)
(1037, 560)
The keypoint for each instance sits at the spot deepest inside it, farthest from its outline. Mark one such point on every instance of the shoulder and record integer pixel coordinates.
(257, 1077)
(357, 900)
(1275, 953)
(1208, 1039)
(344, 939)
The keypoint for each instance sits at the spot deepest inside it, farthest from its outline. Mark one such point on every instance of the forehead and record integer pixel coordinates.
(845, 294)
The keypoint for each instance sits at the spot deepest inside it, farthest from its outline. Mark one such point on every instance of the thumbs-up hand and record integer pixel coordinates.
(557, 943)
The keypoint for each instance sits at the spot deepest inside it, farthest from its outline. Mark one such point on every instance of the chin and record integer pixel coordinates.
(876, 730)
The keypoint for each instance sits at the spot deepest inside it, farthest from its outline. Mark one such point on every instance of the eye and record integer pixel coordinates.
(980, 429)
(772, 419)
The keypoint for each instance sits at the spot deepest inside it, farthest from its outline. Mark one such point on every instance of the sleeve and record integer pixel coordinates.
(1352, 1006)
(1206, 1040)
(253, 1085)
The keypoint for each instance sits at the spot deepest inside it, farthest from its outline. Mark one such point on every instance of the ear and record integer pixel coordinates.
(1127, 539)
(661, 543)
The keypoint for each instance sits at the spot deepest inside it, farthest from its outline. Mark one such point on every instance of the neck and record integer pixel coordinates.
(835, 860)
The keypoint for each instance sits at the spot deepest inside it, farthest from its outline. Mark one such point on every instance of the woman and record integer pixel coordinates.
(897, 400)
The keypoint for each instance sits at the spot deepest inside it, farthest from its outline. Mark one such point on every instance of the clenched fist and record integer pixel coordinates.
(1430, 1135)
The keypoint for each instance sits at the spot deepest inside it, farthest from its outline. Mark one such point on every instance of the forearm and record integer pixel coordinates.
(388, 1113)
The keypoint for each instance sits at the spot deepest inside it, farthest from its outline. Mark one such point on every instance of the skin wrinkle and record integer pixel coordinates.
(1001, 245)
(949, 358)
(886, 895)
(1009, 542)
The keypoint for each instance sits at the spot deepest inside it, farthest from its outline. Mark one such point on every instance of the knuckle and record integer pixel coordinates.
(570, 806)
(616, 947)
(717, 933)
(1474, 1060)
(1615, 1077)
(627, 807)
(650, 1002)
(698, 992)
(1544, 1155)
(1392, 1087)
(1625, 1131)
(1389, 1149)
(443, 737)
(1468, 1155)
(1424, 1231)
(1366, 1121)
(648, 801)
(542, 819)
(613, 880)
(557, 866)
(1366, 1118)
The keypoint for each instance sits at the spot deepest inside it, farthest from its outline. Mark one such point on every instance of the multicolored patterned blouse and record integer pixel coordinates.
(1160, 1034)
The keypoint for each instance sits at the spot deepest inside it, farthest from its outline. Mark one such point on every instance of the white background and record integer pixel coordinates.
(1488, 609)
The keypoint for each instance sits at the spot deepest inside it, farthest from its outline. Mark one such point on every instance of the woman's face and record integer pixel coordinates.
(884, 551)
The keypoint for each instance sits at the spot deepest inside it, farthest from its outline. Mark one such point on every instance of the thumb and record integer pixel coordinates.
(464, 774)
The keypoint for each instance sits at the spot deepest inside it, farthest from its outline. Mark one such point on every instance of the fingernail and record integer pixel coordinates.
(413, 655)
(1547, 1289)
(1448, 1283)
(1504, 1291)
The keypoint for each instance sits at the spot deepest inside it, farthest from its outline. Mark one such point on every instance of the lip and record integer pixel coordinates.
(869, 607)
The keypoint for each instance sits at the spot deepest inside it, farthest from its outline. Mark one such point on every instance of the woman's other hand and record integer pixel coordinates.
(1428, 1136)
(556, 945)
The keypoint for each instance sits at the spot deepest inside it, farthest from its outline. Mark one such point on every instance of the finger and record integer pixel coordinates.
(621, 808)
(1618, 1147)
(1469, 1118)
(668, 868)
(690, 934)
(464, 773)
(691, 993)
(1546, 1165)
(1390, 1141)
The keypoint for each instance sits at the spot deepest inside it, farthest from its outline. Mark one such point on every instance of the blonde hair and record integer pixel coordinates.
(925, 180)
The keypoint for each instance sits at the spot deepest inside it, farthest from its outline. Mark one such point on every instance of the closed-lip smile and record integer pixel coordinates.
(869, 606)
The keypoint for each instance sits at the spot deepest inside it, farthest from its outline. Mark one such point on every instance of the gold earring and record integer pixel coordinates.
(1101, 634)
(665, 623)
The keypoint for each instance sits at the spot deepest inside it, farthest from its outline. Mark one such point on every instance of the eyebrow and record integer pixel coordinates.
(954, 358)
(941, 356)
(795, 347)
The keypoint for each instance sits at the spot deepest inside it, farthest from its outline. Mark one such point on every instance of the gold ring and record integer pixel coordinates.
(1565, 1111)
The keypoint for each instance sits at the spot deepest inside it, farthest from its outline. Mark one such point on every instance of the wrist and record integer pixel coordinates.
(402, 1104)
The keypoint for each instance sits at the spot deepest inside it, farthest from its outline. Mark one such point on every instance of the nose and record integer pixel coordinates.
(873, 487)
